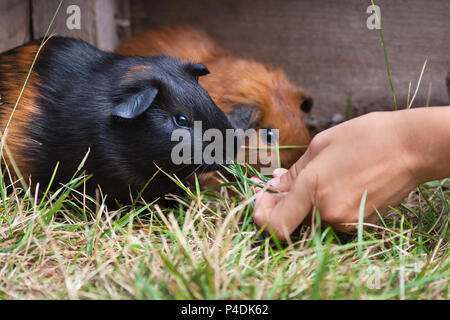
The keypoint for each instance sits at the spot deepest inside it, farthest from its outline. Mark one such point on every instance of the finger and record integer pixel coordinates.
(352, 227)
(285, 215)
(284, 182)
(258, 181)
(279, 172)
(264, 203)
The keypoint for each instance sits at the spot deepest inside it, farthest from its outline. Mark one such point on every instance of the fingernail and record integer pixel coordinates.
(274, 182)
(278, 171)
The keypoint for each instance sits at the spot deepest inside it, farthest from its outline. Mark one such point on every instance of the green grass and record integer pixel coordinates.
(207, 247)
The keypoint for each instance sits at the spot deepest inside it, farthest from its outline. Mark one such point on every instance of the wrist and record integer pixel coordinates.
(426, 140)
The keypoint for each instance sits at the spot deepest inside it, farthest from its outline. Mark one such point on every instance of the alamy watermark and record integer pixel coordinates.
(213, 147)
(74, 19)
(374, 20)
(374, 275)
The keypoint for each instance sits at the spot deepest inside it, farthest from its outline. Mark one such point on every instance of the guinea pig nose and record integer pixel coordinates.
(198, 69)
(307, 104)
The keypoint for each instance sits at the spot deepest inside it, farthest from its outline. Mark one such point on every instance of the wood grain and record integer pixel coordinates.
(98, 20)
(14, 23)
(43, 12)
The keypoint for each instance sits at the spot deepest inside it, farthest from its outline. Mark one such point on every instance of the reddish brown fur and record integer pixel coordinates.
(234, 81)
(136, 70)
(183, 42)
(13, 72)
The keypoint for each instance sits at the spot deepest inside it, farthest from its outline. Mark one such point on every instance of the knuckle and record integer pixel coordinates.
(293, 172)
(333, 214)
(309, 175)
(318, 142)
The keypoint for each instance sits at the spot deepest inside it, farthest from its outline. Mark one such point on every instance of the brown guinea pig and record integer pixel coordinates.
(252, 94)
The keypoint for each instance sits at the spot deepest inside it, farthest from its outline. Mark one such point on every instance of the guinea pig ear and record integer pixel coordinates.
(136, 105)
(244, 116)
(197, 69)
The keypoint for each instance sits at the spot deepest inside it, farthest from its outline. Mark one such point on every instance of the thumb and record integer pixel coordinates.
(285, 215)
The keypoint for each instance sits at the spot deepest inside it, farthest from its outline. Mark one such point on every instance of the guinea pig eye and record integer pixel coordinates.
(268, 136)
(181, 121)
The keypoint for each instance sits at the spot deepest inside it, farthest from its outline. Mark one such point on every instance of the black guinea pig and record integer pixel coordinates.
(122, 109)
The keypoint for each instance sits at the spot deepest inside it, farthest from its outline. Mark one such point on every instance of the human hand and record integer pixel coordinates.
(375, 152)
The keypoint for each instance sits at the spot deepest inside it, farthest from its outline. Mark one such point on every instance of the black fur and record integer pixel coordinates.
(90, 99)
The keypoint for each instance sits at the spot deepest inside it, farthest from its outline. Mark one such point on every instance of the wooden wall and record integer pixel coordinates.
(103, 22)
(98, 20)
(326, 45)
(14, 23)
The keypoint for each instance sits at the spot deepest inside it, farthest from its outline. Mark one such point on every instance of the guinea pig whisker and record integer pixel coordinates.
(190, 173)
(197, 168)
(205, 168)
(183, 167)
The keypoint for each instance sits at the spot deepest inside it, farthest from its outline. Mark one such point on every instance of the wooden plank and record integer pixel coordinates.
(123, 15)
(107, 38)
(43, 12)
(326, 45)
(14, 23)
(98, 24)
